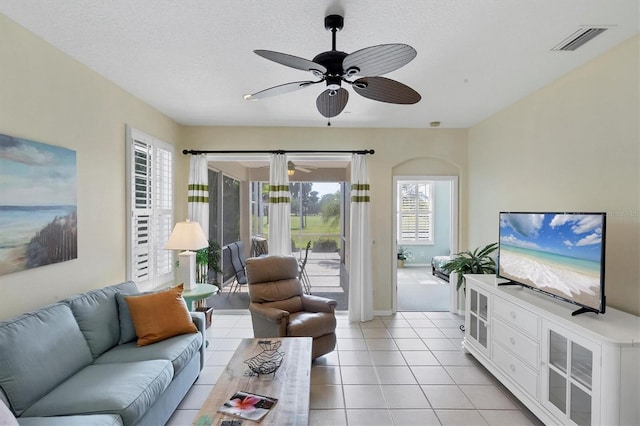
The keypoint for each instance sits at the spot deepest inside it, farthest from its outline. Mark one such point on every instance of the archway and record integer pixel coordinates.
(433, 231)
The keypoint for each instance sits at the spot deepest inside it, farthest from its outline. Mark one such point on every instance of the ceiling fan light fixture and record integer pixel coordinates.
(291, 168)
(352, 71)
(360, 84)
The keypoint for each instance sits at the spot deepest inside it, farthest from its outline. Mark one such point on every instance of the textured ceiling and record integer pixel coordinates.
(193, 60)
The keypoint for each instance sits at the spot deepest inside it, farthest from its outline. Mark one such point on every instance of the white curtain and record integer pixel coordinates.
(279, 206)
(198, 197)
(360, 284)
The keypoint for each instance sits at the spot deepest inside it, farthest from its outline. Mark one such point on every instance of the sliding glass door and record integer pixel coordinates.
(224, 214)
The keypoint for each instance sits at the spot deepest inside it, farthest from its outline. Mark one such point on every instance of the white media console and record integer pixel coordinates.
(582, 369)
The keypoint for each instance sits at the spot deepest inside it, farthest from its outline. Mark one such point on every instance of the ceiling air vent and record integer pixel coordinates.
(579, 38)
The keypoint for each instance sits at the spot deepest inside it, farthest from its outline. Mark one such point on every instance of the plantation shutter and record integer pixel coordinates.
(163, 212)
(151, 210)
(415, 212)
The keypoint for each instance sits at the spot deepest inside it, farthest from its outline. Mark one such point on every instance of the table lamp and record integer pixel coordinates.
(187, 236)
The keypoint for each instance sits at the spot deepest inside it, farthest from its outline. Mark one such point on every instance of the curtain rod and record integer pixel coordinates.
(279, 151)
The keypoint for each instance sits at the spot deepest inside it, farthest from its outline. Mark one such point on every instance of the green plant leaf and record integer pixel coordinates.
(478, 261)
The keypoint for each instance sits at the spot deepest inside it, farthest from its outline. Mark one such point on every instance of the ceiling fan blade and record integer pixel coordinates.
(292, 61)
(378, 60)
(386, 90)
(303, 169)
(281, 89)
(331, 105)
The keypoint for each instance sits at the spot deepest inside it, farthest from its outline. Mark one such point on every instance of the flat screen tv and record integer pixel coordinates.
(560, 254)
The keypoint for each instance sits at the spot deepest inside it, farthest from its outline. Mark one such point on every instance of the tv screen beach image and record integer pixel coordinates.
(557, 253)
(38, 217)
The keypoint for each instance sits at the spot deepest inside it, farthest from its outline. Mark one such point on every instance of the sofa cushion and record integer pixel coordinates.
(127, 389)
(311, 324)
(97, 315)
(127, 330)
(39, 351)
(179, 350)
(158, 316)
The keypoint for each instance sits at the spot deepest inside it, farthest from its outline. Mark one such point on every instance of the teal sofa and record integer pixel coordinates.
(76, 363)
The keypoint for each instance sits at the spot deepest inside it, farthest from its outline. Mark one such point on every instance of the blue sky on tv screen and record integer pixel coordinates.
(572, 235)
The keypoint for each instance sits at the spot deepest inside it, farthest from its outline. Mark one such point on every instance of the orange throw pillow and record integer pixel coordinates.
(158, 316)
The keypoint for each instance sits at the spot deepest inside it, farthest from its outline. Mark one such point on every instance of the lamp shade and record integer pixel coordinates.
(187, 236)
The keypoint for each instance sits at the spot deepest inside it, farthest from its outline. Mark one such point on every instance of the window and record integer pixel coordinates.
(150, 206)
(415, 212)
(224, 214)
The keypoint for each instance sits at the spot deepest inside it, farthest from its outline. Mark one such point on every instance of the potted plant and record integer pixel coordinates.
(478, 261)
(208, 264)
(403, 254)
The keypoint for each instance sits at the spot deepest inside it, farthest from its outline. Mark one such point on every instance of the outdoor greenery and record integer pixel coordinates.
(314, 230)
(325, 245)
(478, 261)
(208, 263)
(330, 209)
(319, 221)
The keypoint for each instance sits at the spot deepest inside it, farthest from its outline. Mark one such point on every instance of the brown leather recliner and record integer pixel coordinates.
(279, 308)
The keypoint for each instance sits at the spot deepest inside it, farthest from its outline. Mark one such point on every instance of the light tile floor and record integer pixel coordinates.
(407, 369)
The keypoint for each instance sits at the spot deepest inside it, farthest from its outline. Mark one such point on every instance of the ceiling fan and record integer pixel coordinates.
(291, 167)
(335, 68)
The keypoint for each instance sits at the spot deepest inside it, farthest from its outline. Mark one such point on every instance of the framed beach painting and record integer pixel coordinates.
(38, 207)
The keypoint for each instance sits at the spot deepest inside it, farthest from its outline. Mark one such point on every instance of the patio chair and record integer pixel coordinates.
(279, 308)
(259, 246)
(302, 276)
(238, 262)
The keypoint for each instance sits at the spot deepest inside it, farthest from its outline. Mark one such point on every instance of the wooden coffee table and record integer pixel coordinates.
(290, 384)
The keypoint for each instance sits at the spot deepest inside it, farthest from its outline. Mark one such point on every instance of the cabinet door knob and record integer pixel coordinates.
(513, 315)
(513, 368)
(512, 340)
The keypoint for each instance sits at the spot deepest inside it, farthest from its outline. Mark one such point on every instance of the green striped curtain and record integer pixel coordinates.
(279, 206)
(360, 271)
(198, 197)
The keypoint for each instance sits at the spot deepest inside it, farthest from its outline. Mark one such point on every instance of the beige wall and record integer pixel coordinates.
(583, 128)
(414, 151)
(47, 97)
(571, 146)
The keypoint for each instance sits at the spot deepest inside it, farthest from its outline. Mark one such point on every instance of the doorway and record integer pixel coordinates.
(319, 214)
(318, 221)
(425, 226)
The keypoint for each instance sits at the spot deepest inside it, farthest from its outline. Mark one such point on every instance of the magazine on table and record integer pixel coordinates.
(248, 406)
